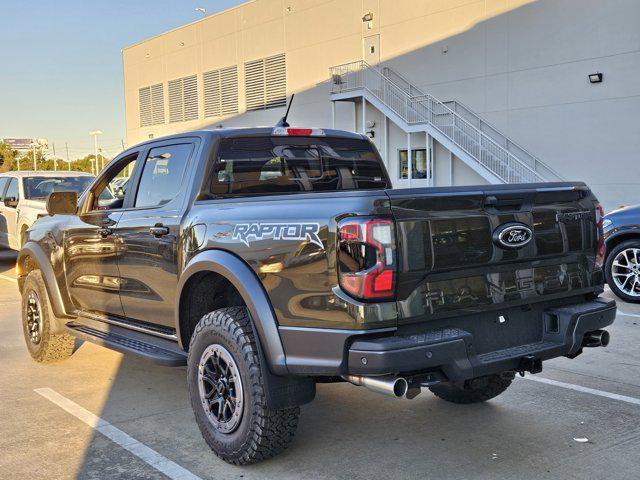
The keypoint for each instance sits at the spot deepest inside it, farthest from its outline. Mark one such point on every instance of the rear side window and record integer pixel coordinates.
(280, 165)
(162, 174)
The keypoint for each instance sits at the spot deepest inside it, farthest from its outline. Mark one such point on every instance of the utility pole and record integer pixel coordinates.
(34, 145)
(122, 143)
(55, 159)
(66, 146)
(95, 134)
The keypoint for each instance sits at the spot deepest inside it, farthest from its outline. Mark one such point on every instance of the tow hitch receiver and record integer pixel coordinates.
(529, 364)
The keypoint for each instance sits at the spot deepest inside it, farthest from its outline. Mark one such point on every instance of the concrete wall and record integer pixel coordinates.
(522, 64)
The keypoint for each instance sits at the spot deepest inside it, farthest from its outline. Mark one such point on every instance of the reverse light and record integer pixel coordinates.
(600, 247)
(297, 132)
(366, 258)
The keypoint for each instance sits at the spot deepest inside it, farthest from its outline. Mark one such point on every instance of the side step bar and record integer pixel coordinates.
(154, 349)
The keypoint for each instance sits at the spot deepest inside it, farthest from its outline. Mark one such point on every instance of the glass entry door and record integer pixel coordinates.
(419, 169)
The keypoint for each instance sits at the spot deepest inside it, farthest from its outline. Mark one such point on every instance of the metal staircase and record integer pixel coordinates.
(458, 128)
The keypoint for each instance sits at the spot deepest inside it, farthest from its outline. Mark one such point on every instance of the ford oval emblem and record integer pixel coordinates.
(512, 236)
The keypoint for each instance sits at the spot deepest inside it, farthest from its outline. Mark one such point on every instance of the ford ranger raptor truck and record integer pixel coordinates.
(267, 260)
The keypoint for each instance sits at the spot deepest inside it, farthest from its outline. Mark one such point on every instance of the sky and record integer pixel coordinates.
(61, 73)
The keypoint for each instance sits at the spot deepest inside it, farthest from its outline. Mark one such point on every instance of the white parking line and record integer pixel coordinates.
(140, 450)
(578, 388)
(620, 312)
(7, 277)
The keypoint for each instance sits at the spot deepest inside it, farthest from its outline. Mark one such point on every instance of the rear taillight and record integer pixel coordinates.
(366, 258)
(600, 247)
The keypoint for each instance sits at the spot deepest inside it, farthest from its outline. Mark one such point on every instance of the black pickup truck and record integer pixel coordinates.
(267, 260)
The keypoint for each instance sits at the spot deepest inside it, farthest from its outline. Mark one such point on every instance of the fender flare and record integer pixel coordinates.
(244, 279)
(34, 251)
(623, 231)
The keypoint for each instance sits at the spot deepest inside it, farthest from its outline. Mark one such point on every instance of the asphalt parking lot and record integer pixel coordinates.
(583, 424)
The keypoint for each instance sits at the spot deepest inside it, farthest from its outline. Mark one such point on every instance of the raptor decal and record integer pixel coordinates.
(248, 232)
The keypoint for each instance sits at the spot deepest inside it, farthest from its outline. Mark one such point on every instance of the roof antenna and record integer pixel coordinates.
(283, 121)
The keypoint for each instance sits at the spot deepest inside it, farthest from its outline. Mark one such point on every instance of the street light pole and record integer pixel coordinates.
(34, 145)
(66, 146)
(95, 134)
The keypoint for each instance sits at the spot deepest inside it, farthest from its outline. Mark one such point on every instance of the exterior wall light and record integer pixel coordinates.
(367, 17)
(595, 77)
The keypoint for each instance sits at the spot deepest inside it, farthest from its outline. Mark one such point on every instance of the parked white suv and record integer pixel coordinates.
(23, 198)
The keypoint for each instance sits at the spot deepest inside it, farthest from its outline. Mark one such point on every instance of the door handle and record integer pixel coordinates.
(104, 232)
(159, 230)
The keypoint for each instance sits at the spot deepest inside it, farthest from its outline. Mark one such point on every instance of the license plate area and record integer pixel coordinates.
(492, 331)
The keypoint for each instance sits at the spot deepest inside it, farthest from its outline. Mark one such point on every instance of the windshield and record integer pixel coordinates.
(39, 188)
(277, 165)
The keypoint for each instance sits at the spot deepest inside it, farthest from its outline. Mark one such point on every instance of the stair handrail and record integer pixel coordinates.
(363, 66)
(388, 71)
(535, 160)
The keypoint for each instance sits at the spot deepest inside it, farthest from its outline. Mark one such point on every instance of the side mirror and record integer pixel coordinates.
(11, 202)
(62, 203)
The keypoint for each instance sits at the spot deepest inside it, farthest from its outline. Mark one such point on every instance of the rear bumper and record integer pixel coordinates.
(448, 352)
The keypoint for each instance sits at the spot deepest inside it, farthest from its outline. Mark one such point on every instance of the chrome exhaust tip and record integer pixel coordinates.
(388, 384)
(596, 338)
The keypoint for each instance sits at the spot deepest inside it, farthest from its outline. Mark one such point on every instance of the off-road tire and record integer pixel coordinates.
(475, 390)
(53, 347)
(262, 432)
(608, 265)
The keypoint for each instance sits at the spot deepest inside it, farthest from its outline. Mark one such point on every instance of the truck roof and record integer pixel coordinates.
(226, 132)
(45, 173)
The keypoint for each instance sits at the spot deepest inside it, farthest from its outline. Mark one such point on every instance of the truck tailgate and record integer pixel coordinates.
(451, 263)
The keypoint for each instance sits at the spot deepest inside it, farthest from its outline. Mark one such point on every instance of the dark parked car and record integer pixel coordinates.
(622, 240)
(269, 260)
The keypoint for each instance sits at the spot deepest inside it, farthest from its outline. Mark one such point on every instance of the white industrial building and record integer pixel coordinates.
(479, 91)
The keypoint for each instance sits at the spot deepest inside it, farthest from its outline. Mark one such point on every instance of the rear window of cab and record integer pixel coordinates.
(272, 165)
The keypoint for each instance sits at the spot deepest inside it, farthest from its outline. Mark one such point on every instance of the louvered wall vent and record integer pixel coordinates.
(183, 99)
(266, 82)
(151, 105)
(221, 92)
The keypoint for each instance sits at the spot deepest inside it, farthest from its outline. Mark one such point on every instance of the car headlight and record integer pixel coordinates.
(606, 222)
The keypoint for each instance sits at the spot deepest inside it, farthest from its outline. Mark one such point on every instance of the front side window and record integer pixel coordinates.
(13, 191)
(162, 175)
(39, 188)
(3, 183)
(111, 192)
(280, 165)
(419, 163)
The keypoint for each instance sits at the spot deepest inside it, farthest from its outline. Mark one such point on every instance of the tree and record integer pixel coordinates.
(9, 161)
(84, 164)
(26, 160)
(7, 157)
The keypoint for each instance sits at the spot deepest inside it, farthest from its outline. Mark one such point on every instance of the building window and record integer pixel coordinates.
(183, 99)
(265, 82)
(151, 100)
(419, 163)
(221, 92)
